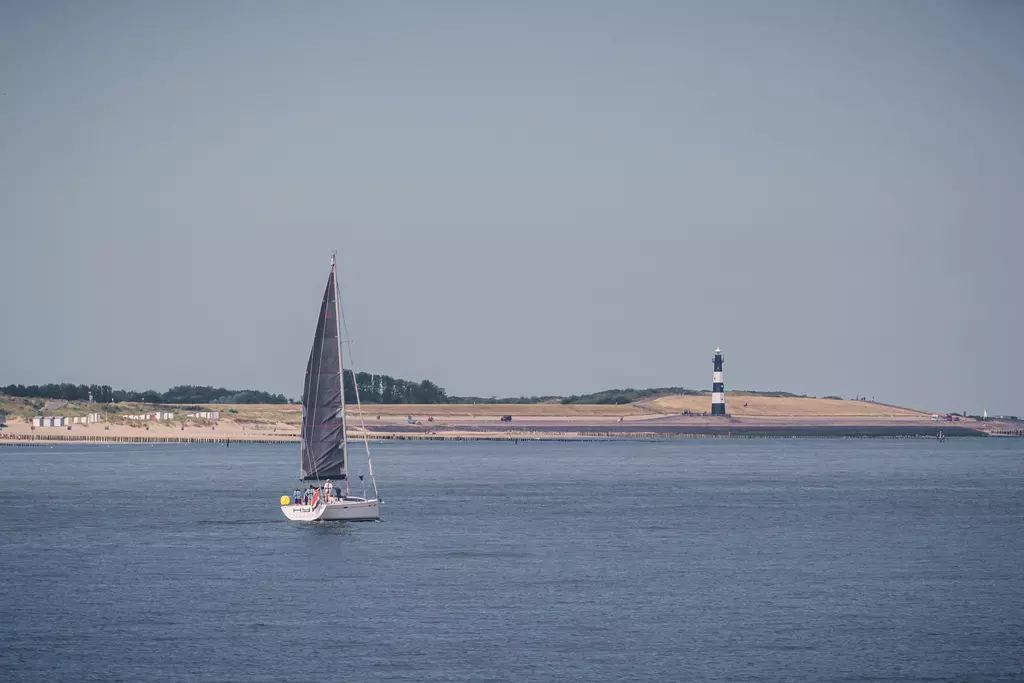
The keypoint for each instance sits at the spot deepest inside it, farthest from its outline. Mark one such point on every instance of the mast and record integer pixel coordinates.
(341, 366)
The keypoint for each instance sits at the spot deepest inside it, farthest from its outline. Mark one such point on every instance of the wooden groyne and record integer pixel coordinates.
(67, 438)
(58, 438)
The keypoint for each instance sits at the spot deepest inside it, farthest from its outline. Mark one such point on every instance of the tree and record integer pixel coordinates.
(387, 390)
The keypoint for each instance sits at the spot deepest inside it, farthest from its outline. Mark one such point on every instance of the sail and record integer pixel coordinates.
(323, 403)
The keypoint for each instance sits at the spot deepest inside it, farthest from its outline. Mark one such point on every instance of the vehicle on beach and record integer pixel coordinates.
(324, 447)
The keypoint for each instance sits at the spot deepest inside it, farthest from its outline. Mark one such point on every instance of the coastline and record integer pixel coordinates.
(670, 417)
(561, 430)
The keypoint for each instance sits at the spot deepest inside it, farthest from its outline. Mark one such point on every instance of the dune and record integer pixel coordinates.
(784, 407)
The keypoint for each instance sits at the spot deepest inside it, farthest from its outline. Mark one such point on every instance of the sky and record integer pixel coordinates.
(526, 198)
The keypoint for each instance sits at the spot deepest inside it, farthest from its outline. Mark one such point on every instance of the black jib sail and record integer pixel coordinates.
(323, 403)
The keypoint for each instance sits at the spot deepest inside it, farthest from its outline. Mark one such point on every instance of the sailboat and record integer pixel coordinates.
(324, 449)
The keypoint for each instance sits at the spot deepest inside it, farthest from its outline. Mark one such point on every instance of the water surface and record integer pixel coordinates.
(712, 560)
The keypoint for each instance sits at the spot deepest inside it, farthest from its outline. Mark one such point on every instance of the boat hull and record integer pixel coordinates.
(344, 510)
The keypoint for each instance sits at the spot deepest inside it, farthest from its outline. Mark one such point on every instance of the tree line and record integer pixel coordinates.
(624, 396)
(390, 390)
(103, 393)
(372, 389)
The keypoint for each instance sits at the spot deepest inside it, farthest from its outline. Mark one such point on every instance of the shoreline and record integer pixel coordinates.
(539, 433)
(668, 417)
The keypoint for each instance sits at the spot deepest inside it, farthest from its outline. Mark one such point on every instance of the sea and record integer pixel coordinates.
(677, 560)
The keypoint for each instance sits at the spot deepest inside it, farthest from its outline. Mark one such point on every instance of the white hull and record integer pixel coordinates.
(351, 509)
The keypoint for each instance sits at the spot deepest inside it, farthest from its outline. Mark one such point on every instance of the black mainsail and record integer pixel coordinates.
(323, 399)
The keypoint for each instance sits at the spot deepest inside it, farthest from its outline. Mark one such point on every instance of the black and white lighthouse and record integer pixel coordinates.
(718, 386)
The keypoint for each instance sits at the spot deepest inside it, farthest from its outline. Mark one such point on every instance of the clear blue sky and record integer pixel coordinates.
(531, 197)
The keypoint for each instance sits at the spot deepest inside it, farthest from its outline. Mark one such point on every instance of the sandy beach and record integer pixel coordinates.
(660, 417)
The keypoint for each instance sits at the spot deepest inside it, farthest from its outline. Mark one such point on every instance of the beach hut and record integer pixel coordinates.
(37, 422)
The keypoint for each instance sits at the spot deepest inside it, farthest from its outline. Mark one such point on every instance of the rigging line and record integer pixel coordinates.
(366, 442)
(359, 403)
(341, 370)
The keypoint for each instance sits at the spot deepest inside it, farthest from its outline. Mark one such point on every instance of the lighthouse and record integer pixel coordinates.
(717, 386)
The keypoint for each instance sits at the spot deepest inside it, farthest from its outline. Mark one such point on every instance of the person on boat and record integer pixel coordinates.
(328, 490)
(297, 495)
